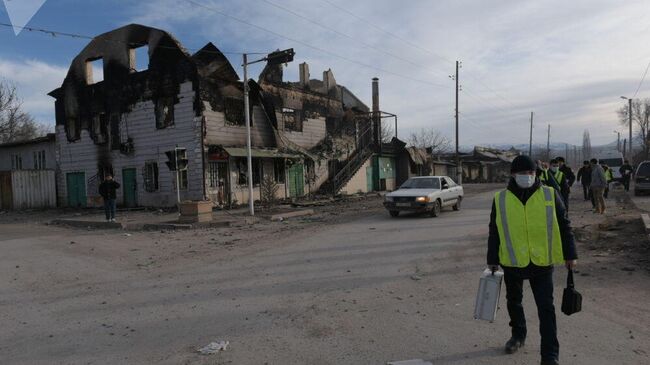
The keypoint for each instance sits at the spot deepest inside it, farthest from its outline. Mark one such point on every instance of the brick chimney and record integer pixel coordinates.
(304, 74)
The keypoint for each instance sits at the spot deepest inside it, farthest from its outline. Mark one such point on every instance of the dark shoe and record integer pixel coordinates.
(550, 362)
(514, 344)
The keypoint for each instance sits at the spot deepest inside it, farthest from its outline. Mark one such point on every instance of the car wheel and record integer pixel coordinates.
(435, 210)
(457, 205)
(393, 213)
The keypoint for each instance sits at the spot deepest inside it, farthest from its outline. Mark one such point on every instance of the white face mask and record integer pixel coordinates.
(554, 168)
(525, 181)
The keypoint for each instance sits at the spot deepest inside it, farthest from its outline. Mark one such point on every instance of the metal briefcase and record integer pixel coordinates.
(487, 299)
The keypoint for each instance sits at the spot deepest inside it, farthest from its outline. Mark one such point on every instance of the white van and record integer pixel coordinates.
(613, 159)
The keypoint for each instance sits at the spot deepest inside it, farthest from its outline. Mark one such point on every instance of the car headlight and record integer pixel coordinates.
(422, 199)
(389, 199)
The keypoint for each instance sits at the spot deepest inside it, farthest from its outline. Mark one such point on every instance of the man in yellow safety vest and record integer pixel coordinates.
(529, 233)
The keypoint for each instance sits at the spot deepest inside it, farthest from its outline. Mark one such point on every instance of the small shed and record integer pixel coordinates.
(27, 189)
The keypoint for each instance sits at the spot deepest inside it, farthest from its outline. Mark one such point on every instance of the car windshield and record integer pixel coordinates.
(611, 161)
(644, 169)
(432, 183)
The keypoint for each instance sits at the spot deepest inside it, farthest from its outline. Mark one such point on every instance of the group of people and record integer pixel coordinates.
(596, 179)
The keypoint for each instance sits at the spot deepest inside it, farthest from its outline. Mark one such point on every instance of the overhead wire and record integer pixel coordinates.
(308, 45)
(641, 82)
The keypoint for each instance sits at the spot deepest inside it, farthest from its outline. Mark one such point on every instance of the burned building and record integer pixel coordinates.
(134, 93)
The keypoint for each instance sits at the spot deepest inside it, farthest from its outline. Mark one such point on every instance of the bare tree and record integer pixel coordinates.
(640, 119)
(387, 132)
(15, 123)
(430, 138)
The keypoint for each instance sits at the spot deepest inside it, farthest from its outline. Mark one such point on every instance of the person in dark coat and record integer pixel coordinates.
(108, 191)
(568, 172)
(626, 172)
(584, 176)
(523, 185)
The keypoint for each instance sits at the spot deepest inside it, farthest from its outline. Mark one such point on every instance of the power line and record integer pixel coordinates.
(55, 33)
(305, 44)
(413, 45)
(641, 82)
(345, 35)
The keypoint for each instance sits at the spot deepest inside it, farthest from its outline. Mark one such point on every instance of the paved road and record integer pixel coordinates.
(366, 291)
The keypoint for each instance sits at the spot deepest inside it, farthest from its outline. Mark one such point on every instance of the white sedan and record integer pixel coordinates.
(424, 194)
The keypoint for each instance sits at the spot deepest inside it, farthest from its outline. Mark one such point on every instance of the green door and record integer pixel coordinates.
(76, 183)
(369, 185)
(296, 181)
(129, 188)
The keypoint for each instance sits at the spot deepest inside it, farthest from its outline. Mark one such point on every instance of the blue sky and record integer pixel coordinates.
(567, 61)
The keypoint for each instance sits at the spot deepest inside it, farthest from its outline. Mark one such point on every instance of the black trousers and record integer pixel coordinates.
(541, 282)
(626, 183)
(585, 191)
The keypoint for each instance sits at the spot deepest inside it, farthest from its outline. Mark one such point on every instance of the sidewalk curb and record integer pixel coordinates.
(297, 213)
(87, 224)
(646, 222)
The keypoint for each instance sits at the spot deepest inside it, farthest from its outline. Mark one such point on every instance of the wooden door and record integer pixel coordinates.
(76, 188)
(6, 196)
(296, 180)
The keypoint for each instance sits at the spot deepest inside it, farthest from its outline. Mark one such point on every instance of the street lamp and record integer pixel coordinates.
(274, 58)
(629, 113)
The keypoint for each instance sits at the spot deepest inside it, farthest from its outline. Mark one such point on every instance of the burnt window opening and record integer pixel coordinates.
(151, 176)
(115, 132)
(164, 112)
(292, 119)
(99, 128)
(72, 129)
(242, 169)
(138, 58)
(233, 109)
(279, 170)
(94, 71)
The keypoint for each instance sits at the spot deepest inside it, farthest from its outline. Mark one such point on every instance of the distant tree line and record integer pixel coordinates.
(15, 123)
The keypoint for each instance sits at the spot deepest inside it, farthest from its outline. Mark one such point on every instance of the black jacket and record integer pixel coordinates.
(107, 189)
(626, 168)
(568, 242)
(584, 175)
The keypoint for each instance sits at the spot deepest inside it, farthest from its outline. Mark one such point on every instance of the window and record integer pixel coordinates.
(421, 183)
(151, 176)
(292, 119)
(138, 58)
(98, 131)
(257, 171)
(94, 71)
(164, 112)
(39, 160)
(115, 132)
(242, 171)
(182, 178)
(16, 162)
(278, 170)
(72, 129)
(233, 109)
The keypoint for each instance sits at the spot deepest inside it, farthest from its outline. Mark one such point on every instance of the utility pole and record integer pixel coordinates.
(618, 141)
(548, 144)
(624, 145)
(566, 151)
(249, 154)
(629, 114)
(530, 141)
(575, 156)
(459, 168)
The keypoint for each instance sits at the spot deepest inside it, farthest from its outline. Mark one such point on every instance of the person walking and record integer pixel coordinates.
(584, 176)
(545, 177)
(526, 239)
(626, 172)
(108, 191)
(562, 181)
(568, 172)
(598, 185)
(609, 177)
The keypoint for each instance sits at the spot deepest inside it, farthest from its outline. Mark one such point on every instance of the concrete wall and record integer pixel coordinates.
(150, 145)
(359, 182)
(26, 152)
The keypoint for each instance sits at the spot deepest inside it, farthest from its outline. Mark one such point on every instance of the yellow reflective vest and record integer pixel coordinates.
(608, 175)
(530, 232)
(559, 175)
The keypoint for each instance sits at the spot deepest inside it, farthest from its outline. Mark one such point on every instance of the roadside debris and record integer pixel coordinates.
(214, 347)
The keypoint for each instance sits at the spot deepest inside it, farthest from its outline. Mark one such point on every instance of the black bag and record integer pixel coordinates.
(571, 299)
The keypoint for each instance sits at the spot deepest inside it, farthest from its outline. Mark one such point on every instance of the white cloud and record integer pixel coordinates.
(33, 80)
